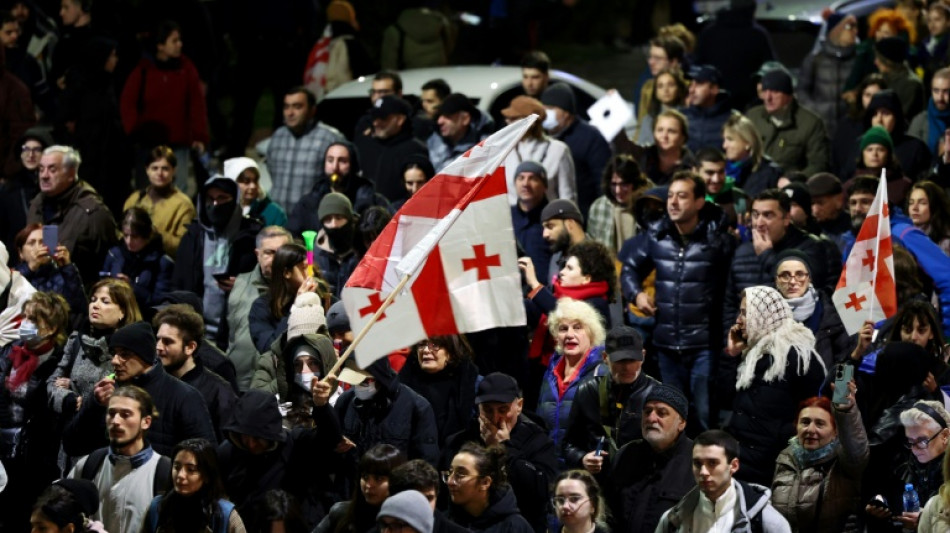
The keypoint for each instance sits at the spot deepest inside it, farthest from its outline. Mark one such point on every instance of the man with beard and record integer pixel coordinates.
(179, 333)
(183, 410)
(649, 476)
(333, 250)
(531, 180)
(930, 258)
(133, 473)
(216, 247)
(563, 226)
(342, 174)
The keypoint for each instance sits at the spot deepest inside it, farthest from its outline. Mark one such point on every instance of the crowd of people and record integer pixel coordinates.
(169, 361)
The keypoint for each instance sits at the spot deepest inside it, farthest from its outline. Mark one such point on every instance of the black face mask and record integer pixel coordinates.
(220, 214)
(341, 239)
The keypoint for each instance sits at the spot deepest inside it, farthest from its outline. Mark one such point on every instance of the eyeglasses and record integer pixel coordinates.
(395, 525)
(428, 345)
(921, 443)
(787, 276)
(28, 150)
(574, 500)
(454, 474)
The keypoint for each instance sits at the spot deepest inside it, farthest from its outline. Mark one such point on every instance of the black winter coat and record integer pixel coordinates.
(705, 123)
(218, 394)
(502, 515)
(749, 269)
(149, 270)
(586, 424)
(763, 415)
(451, 392)
(189, 271)
(642, 484)
(183, 415)
(532, 465)
(361, 192)
(292, 465)
(765, 176)
(690, 278)
(382, 160)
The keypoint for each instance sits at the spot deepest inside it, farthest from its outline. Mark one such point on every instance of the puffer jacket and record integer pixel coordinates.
(149, 270)
(705, 123)
(935, 516)
(835, 480)
(763, 415)
(623, 407)
(554, 408)
(749, 269)
(821, 81)
(690, 278)
(502, 515)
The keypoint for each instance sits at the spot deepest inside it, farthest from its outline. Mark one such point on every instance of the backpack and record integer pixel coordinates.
(161, 482)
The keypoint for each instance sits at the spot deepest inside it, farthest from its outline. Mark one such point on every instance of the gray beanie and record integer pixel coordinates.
(411, 507)
(335, 203)
(559, 95)
(337, 320)
(562, 209)
(533, 167)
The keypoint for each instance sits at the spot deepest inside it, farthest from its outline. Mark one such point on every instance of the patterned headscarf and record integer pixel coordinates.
(772, 330)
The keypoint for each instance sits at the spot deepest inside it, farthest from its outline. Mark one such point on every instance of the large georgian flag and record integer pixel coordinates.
(454, 239)
(866, 289)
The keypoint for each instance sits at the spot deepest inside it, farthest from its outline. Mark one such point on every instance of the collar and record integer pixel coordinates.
(721, 507)
(137, 460)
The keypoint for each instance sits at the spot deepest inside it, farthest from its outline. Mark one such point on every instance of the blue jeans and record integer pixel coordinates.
(689, 371)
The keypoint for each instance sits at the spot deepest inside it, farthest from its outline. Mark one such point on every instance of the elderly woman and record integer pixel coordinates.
(86, 358)
(441, 370)
(925, 430)
(811, 307)
(935, 516)
(779, 369)
(746, 164)
(579, 336)
(610, 220)
(817, 480)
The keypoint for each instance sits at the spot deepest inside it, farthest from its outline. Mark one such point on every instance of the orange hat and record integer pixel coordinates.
(522, 106)
(342, 11)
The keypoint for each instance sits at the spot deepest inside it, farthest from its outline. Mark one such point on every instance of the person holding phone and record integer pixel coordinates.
(817, 482)
(139, 259)
(50, 269)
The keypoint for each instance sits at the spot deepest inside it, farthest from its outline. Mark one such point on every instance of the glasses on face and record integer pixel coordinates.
(785, 277)
(448, 475)
(922, 443)
(31, 150)
(428, 345)
(574, 499)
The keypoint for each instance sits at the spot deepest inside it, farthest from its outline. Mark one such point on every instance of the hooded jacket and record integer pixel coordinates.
(821, 81)
(274, 376)
(360, 190)
(396, 415)
(690, 275)
(262, 207)
(753, 512)
(502, 515)
(288, 464)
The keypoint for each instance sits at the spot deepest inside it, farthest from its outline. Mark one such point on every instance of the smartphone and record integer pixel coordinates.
(843, 375)
(51, 238)
(224, 276)
(600, 447)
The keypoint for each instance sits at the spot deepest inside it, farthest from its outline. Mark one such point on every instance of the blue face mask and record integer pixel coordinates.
(29, 333)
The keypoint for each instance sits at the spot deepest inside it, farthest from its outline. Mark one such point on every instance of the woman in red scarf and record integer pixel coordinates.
(587, 275)
(30, 441)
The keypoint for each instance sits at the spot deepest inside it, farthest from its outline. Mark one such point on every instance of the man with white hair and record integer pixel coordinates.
(86, 226)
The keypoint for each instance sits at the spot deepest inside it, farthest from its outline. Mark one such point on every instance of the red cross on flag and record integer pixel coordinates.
(866, 289)
(454, 240)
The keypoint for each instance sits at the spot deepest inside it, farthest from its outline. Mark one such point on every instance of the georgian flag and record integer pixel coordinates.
(315, 72)
(454, 238)
(866, 289)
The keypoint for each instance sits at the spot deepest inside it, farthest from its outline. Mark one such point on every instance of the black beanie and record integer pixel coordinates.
(84, 491)
(137, 338)
(560, 95)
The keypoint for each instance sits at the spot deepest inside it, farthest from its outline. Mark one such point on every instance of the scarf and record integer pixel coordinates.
(735, 170)
(542, 344)
(24, 363)
(808, 458)
(803, 306)
(937, 123)
(772, 331)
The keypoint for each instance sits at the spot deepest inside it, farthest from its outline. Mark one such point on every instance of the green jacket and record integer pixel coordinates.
(271, 372)
(799, 144)
(241, 350)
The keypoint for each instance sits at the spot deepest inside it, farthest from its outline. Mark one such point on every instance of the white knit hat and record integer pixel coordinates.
(306, 316)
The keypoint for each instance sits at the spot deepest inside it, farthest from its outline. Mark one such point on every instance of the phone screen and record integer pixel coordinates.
(51, 237)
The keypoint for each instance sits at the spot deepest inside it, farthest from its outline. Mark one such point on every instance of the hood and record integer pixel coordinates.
(227, 184)
(644, 216)
(236, 165)
(384, 374)
(502, 505)
(886, 99)
(321, 343)
(256, 414)
(755, 497)
(355, 169)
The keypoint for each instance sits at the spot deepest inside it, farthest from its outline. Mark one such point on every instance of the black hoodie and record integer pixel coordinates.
(502, 515)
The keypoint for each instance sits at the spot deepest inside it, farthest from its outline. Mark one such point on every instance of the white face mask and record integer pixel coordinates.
(365, 391)
(28, 331)
(550, 119)
(304, 379)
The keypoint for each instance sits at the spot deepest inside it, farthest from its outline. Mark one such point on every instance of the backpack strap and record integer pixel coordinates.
(93, 463)
(152, 515)
(162, 480)
(225, 507)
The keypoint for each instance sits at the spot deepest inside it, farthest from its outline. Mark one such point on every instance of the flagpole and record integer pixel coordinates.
(877, 240)
(359, 337)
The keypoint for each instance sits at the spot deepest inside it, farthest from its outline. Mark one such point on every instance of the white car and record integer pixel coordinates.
(489, 88)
